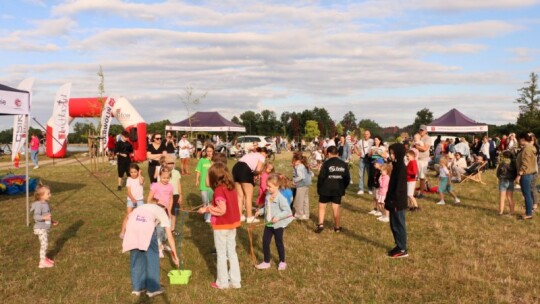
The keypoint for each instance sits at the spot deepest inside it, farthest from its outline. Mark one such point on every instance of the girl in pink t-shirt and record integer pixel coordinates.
(268, 168)
(162, 193)
(384, 180)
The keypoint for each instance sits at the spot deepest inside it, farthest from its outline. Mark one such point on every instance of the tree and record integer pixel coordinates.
(236, 120)
(250, 120)
(157, 127)
(371, 125)
(312, 130)
(190, 101)
(340, 129)
(423, 117)
(269, 125)
(349, 121)
(529, 98)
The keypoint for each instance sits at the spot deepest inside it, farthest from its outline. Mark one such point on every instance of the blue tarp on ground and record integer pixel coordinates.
(16, 184)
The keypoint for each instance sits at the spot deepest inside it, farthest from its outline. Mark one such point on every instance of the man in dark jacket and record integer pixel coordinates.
(333, 179)
(123, 151)
(396, 200)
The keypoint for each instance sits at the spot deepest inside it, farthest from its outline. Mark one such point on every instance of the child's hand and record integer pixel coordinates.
(55, 223)
(47, 216)
(256, 213)
(201, 210)
(275, 220)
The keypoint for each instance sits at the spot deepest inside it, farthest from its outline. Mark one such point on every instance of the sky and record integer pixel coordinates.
(381, 59)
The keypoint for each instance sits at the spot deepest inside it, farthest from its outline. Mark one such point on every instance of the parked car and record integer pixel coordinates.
(246, 143)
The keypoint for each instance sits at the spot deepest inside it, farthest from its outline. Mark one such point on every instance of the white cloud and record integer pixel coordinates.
(524, 54)
(467, 5)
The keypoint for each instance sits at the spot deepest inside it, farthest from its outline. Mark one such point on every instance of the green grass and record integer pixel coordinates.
(459, 254)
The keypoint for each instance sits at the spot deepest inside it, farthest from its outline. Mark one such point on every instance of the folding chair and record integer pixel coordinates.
(474, 173)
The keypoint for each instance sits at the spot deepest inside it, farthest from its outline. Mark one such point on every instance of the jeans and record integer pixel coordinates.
(206, 197)
(534, 192)
(525, 183)
(267, 238)
(34, 156)
(145, 267)
(345, 155)
(399, 229)
(225, 242)
(361, 173)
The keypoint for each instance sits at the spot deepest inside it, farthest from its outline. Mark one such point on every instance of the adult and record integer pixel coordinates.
(362, 149)
(437, 141)
(534, 142)
(376, 152)
(34, 149)
(123, 150)
(503, 144)
(341, 149)
(184, 153)
(476, 146)
(511, 143)
(484, 149)
(333, 180)
(111, 144)
(526, 168)
(463, 148)
(170, 145)
(457, 166)
(423, 157)
(244, 172)
(154, 151)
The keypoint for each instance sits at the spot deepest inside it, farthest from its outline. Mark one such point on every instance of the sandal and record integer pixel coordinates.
(526, 217)
(319, 228)
(338, 229)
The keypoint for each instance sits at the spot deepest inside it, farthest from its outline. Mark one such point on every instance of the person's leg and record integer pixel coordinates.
(525, 183)
(534, 192)
(239, 196)
(248, 198)
(511, 203)
(151, 173)
(152, 265)
(306, 203)
(33, 156)
(43, 243)
(278, 233)
(502, 197)
(299, 200)
(234, 265)
(322, 209)
(204, 196)
(220, 241)
(399, 231)
(267, 239)
(137, 263)
(337, 215)
(370, 181)
(362, 168)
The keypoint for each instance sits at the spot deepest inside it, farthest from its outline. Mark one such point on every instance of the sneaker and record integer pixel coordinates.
(263, 265)
(457, 201)
(136, 293)
(242, 218)
(119, 188)
(370, 193)
(299, 217)
(319, 228)
(45, 264)
(384, 219)
(377, 213)
(393, 251)
(372, 212)
(420, 196)
(36, 167)
(49, 260)
(252, 219)
(207, 221)
(400, 254)
(176, 233)
(338, 229)
(360, 192)
(282, 266)
(236, 286)
(216, 286)
(441, 203)
(155, 293)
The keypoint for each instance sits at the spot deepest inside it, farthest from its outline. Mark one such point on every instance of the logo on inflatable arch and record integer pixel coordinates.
(18, 103)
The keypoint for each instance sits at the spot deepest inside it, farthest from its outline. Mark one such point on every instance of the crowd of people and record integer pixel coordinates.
(395, 176)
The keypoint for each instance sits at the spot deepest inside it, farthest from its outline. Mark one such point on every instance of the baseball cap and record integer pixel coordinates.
(423, 127)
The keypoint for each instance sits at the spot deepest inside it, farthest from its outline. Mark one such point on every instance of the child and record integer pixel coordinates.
(384, 180)
(277, 215)
(135, 194)
(123, 149)
(285, 188)
(318, 158)
(396, 201)
(377, 164)
(302, 181)
(162, 164)
(444, 181)
(141, 241)
(177, 191)
(412, 174)
(225, 219)
(42, 216)
(506, 173)
(267, 170)
(200, 180)
(162, 193)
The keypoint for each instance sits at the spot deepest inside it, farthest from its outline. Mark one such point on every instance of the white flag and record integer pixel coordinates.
(106, 117)
(61, 117)
(20, 122)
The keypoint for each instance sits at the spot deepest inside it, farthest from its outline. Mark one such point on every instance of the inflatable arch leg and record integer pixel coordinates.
(124, 112)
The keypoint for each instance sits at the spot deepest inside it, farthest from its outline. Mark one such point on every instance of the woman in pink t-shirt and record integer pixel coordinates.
(34, 149)
(244, 172)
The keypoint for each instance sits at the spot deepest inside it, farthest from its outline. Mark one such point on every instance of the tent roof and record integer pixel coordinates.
(13, 101)
(206, 121)
(456, 122)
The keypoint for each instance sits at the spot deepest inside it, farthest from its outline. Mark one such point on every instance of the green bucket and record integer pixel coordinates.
(179, 277)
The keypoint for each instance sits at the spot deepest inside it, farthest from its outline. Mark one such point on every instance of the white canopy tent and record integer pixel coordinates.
(17, 102)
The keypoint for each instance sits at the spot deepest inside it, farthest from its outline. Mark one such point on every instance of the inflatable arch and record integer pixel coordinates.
(122, 109)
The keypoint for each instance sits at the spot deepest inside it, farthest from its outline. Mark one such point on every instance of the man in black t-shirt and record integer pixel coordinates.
(334, 177)
(123, 151)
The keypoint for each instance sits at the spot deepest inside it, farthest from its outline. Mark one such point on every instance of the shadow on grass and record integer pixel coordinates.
(204, 240)
(69, 233)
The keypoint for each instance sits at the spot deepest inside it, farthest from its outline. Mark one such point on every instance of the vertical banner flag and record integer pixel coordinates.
(106, 117)
(20, 122)
(61, 117)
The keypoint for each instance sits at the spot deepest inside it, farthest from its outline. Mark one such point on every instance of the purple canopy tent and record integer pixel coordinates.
(456, 122)
(206, 122)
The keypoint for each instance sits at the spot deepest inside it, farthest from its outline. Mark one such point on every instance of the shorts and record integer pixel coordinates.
(380, 198)
(444, 185)
(422, 168)
(123, 166)
(324, 199)
(175, 205)
(506, 185)
(131, 205)
(242, 173)
(411, 187)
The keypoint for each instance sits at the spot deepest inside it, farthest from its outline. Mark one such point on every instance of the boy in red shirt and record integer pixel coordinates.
(412, 174)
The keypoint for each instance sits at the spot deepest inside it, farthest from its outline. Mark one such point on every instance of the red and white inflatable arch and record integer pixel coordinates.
(122, 109)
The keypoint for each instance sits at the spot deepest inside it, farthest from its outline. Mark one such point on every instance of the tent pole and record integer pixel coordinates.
(27, 177)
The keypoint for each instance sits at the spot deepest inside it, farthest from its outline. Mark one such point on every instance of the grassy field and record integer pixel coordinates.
(458, 254)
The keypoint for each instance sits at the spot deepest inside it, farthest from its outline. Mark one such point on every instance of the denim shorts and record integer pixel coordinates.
(131, 205)
(506, 184)
(444, 185)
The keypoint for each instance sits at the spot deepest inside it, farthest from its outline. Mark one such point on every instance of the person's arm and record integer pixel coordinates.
(197, 177)
(130, 195)
(150, 196)
(346, 177)
(322, 176)
(285, 210)
(299, 175)
(218, 210)
(172, 244)
(141, 177)
(259, 168)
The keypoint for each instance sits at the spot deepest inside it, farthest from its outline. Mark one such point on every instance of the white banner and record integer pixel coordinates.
(457, 129)
(20, 122)
(106, 117)
(61, 117)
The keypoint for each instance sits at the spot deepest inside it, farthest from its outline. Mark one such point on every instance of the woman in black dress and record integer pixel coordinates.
(154, 151)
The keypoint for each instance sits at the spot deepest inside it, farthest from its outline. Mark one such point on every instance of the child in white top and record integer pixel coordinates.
(135, 193)
(43, 219)
(445, 181)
